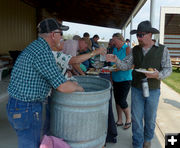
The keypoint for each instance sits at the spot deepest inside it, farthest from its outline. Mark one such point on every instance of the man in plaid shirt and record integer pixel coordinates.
(34, 74)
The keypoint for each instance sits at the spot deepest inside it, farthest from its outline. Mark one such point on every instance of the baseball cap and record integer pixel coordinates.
(50, 24)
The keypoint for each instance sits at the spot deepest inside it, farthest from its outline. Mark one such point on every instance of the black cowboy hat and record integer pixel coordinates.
(145, 26)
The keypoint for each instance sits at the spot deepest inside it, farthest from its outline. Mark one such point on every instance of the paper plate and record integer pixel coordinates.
(110, 68)
(143, 71)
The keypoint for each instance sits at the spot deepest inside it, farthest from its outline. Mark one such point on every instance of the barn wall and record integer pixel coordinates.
(18, 25)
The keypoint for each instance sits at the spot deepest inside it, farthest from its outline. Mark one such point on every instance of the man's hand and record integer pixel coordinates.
(101, 51)
(155, 74)
(111, 58)
(69, 87)
(78, 88)
(69, 74)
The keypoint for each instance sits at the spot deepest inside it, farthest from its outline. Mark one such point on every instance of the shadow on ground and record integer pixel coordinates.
(172, 102)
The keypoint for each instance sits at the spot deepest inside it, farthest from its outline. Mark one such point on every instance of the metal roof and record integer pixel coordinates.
(105, 13)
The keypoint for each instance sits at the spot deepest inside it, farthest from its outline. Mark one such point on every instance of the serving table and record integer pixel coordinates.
(176, 63)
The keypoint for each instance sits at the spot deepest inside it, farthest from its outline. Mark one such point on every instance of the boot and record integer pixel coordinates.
(147, 145)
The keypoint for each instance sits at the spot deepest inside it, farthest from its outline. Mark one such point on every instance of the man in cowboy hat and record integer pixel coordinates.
(145, 55)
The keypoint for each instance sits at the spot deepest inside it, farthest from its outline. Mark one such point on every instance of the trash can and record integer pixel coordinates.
(81, 118)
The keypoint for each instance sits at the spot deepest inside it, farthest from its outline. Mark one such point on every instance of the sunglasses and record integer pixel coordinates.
(61, 33)
(141, 35)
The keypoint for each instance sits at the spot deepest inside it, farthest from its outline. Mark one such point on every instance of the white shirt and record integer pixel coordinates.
(62, 60)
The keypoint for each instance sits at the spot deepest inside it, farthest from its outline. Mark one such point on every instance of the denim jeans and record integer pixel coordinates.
(146, 108)
(26, 119)
(46, 125)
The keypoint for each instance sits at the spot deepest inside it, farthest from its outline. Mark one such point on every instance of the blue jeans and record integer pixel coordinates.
(26, 119)
(46, 126)
(146, 108)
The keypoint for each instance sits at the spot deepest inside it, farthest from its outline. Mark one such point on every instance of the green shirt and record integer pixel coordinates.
(35, 73)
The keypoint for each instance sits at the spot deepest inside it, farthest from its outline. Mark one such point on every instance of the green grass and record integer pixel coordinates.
(173, 80)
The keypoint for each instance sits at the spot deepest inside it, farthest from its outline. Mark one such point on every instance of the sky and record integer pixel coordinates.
(106, 33)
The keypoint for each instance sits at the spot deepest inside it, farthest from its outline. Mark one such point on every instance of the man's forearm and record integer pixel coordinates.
(80, 58)
(69, 87)
(166, 65)
(78, 69)
(165, 73)
(125, 64)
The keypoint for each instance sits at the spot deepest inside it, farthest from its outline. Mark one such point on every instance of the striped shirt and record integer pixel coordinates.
(35, 73)
(127, 63)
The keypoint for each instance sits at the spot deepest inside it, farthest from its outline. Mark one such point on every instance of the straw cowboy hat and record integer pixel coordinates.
(145, 26)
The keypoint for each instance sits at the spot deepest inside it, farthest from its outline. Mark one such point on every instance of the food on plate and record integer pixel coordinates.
(105, 71)
(150, 69)
(143, 69)
(114, 66)
(93, 71)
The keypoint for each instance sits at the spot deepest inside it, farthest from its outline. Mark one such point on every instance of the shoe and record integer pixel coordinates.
(127, 125)
(147, 145)
(119, 124)
(113, 140)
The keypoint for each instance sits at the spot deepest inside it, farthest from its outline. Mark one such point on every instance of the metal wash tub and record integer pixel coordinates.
(80, 118)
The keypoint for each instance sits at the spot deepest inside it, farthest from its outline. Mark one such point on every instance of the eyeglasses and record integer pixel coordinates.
(61, 33)
(141, 35)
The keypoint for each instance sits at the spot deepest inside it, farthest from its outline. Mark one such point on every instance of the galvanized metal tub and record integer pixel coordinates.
(81, 118)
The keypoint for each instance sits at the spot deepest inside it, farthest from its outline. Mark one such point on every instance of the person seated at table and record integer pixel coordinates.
(86, 63)
(64, 59)
(76, 37)
(128, 42)
(110, 48)
(94, 42)
(71, 47)
(86, 36)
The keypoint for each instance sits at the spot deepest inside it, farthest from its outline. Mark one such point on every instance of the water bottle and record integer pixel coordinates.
(93, 48)
(145, 87)
(102, 57)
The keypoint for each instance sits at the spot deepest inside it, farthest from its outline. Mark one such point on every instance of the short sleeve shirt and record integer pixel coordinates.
(62, 60)
(35, 72)
(71, 47)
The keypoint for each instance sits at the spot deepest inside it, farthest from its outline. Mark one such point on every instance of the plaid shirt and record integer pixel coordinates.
(35, 73)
